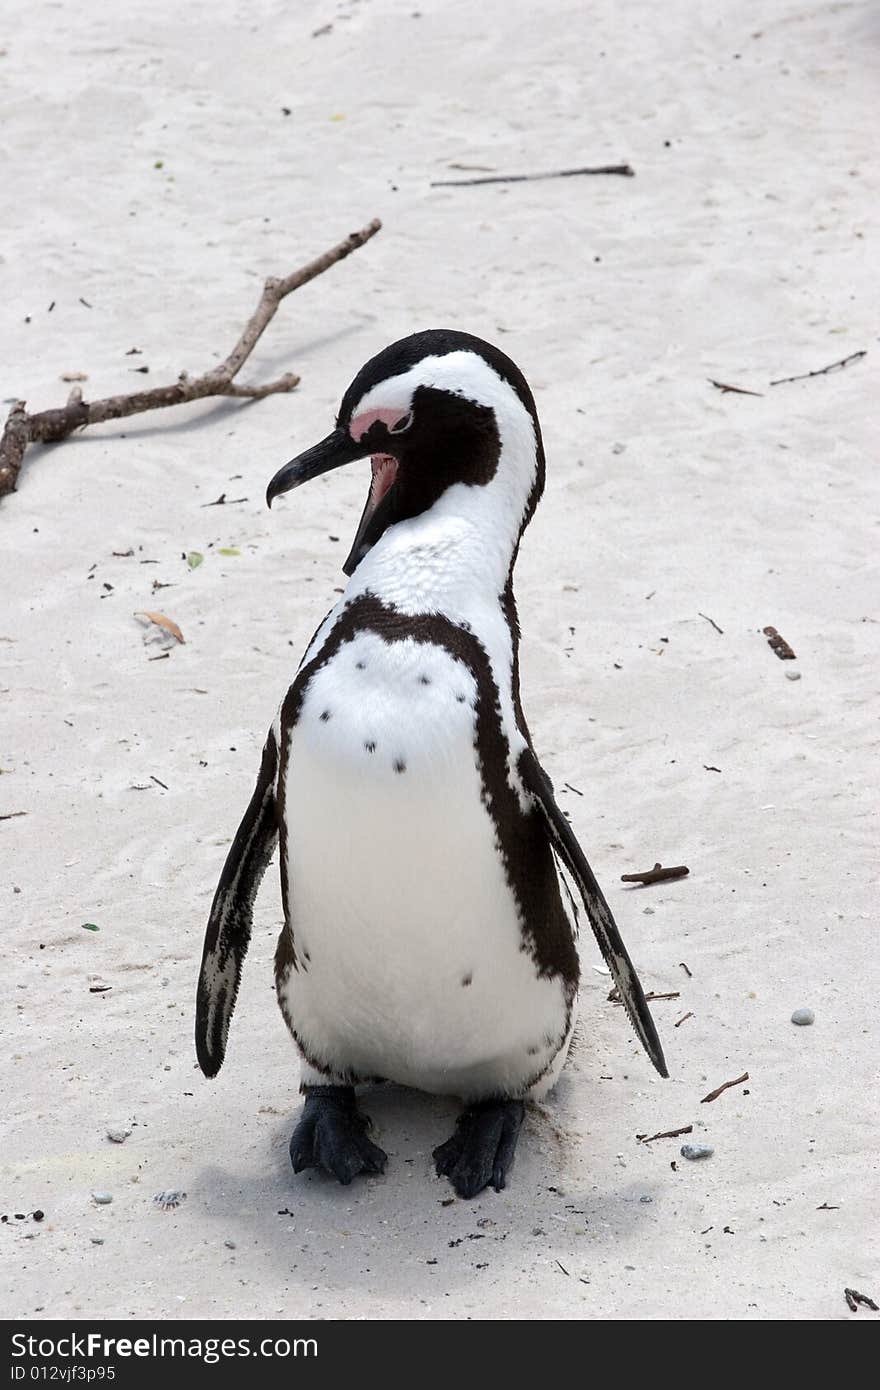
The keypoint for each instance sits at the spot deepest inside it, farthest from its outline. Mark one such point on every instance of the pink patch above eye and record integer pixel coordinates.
(361, 423)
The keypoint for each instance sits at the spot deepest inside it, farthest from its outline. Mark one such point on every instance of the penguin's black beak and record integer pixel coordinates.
(334, 451)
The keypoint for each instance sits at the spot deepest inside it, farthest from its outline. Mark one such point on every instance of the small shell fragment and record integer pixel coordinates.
(169, 1200)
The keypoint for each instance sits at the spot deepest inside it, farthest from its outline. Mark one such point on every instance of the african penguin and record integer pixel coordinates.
(429, 937)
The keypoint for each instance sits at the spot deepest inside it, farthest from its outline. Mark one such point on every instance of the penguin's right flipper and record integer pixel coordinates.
(228, 932)
(605, 929)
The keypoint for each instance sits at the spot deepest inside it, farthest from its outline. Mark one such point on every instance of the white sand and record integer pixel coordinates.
(740, 251)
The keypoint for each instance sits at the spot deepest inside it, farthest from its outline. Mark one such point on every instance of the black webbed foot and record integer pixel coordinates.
(331, 1134)
(481, 1150)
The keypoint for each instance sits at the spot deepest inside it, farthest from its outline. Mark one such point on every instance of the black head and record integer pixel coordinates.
(433, 410)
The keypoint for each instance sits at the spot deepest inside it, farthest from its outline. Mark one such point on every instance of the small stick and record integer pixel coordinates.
(687, 970)
(779, 645)
(823, 371)
(712, 621)
(624, 169)
(614, 997)
(50, 426)
(572, 789)
(656, 875)
(152, 778)
(854, 1298)
(11, 815)
(734, 390)
(684, 1018)
(668, 1134)
(719, 1090)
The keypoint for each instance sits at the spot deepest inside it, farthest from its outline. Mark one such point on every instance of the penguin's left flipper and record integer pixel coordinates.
(228, 932)
(605, 928)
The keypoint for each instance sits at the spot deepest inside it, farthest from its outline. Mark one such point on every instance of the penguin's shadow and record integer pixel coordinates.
(405, 1234)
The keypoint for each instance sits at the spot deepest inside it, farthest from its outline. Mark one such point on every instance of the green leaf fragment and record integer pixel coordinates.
(229, 550)
(90, 926)
(194, 559)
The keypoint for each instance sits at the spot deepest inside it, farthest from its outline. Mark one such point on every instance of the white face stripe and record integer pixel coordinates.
(462, 373)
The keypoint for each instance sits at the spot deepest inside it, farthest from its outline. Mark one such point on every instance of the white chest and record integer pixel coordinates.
(409, 937)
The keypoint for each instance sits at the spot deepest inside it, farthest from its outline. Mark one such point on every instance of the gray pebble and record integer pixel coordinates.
(103, 1199)
(646, 1199)
(230, 1244)
(97, 1240)
(118, 1134)
(696, 1151)
(803, 1017)
(793, 675)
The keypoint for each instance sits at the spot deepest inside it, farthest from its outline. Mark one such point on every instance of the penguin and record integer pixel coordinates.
(430, 933)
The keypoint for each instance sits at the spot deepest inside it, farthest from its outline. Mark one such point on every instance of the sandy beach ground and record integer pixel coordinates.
(159, 161)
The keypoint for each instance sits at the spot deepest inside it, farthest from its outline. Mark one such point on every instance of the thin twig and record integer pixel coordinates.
(712, 621)
(666, 1134)
(779, 645)
(719, 1090)
(823, 371)
(684, 1018)
(12, 815)
(50, 426)
(656, 875)
(614, 997)
(732, 390)
(687, 970)
(625, 170)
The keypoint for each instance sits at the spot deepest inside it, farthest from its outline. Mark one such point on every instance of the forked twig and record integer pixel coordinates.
(50, 426)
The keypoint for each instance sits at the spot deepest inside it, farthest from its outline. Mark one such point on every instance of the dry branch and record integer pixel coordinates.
(50, 426)
(719, 1090)
(665, 1134)
(614, 996)
(725, 389)
(657, 875)
(625, 170)
(823, 371)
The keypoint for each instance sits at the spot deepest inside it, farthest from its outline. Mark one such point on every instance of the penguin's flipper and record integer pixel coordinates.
(228, 932)
(605, 928)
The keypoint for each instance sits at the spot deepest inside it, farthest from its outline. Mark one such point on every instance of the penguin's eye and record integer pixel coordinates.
(402, 424)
